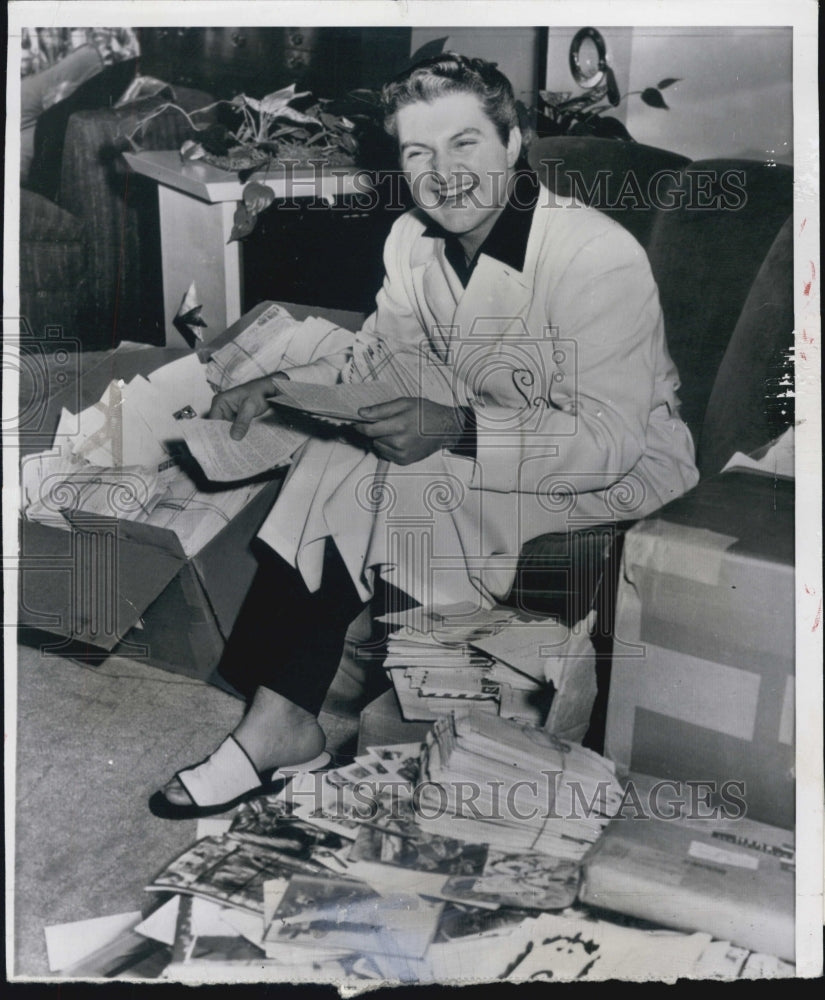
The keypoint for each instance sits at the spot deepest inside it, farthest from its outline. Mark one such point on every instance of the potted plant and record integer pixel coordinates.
(284, 126)
(560, 113)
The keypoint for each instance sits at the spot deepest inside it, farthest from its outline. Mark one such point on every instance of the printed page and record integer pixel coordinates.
(248, 355)
(272, 342)
(265, 446)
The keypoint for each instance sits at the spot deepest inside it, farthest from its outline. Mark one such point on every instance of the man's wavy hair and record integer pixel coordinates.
(451, 73)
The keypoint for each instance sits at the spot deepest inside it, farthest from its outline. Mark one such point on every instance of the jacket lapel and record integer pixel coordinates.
(439, 289)
(496, 294)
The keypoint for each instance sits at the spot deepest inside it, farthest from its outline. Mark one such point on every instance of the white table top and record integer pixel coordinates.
(208, 183)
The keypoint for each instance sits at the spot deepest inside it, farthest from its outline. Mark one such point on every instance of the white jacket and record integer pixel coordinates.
(567, 369)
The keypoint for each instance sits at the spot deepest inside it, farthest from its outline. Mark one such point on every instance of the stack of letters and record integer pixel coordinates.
(497, 660)
(514, 786)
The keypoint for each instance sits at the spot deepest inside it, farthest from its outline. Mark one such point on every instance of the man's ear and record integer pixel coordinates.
(514, 146)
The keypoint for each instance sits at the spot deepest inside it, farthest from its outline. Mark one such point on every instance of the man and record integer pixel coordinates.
(556, 392)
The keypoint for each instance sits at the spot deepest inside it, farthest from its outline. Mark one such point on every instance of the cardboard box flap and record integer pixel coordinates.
(161, 540)
(94, 582)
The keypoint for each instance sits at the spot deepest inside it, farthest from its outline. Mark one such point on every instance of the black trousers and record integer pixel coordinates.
(290, 640)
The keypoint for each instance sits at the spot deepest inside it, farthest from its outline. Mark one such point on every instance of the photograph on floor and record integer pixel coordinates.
(406, 580)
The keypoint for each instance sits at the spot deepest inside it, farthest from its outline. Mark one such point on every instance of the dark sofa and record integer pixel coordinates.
(718, 236)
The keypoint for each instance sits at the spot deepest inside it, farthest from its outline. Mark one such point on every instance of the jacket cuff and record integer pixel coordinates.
(466, 446)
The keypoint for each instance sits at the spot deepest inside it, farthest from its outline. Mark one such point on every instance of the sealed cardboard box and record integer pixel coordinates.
(702, 684)
(731, 877)
(109, 585)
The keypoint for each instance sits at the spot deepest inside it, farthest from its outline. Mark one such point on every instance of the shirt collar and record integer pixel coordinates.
(507, 240)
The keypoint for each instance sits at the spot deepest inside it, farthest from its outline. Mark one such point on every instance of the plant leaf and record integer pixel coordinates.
(653, 98)
(243, 223)
(606, 127)
(613, 94)
(294, 116)
(284, 94)
(668, 80)
(192, 150)
(554, 98)
(598, 110)
(330, 121)
(273, 104)
(257, 197)
(286, 130)
(432, 48)
(215, 139)
(347, 142)
(364, 95)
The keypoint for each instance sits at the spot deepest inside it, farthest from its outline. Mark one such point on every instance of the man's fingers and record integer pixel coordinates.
(240, 425)
(221, 409)
(381, 411)
(386, 451)
(382, 428)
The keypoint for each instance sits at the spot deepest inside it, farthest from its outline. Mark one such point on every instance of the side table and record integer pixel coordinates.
(197, 203)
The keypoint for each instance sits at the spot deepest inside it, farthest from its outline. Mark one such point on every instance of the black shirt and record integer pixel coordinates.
(507, 240)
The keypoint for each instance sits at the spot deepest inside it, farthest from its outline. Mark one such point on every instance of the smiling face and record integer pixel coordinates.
(459, 168)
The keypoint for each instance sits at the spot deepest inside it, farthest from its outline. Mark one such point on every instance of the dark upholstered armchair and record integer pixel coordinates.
(724, 268)
(718, 236)
(89, 249)
(708, 227)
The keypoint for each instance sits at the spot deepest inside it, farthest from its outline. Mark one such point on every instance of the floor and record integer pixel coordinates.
(93, 743)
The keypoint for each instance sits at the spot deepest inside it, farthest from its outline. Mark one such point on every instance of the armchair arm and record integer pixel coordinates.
(52, 266)
(120, 214)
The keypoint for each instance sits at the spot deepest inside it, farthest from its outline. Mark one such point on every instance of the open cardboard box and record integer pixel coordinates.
(111, 586)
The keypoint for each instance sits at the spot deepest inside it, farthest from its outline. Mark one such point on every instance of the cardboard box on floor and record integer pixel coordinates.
(702, 683)
(731, 877)
(111, 586)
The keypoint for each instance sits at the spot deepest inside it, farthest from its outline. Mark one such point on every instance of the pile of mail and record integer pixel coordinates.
(514, 786)
(129, 455)
(335, 880)
(122, 458)
(497, 660)
(272, 341)
(333, 877)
